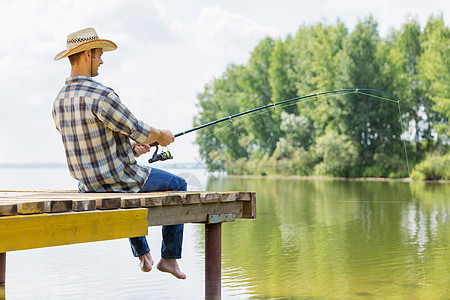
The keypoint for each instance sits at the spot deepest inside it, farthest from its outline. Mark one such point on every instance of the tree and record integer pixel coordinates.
(219, 100)
(256, 85)
(345, 135)
(338, 153)
(316, 52)
(409, 42)
(371, 124)
(435, 69)
(281, 66)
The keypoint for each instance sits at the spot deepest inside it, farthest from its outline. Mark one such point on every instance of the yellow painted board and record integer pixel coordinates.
(45, 230)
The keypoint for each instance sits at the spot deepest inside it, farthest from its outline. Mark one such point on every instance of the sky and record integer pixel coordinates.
(167, 52)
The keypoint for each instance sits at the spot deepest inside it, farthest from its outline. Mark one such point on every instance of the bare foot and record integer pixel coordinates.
(170, 266)
(146, 262)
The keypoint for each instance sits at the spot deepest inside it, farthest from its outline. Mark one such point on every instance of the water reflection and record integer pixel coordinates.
(338, 239)
(311, 240)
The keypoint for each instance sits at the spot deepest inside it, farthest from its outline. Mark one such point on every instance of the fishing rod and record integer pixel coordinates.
(167, 155)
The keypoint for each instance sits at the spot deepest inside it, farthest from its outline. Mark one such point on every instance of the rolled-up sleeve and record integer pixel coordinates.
(117, 117)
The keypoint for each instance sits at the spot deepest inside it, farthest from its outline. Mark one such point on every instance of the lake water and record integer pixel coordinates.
(312, 239)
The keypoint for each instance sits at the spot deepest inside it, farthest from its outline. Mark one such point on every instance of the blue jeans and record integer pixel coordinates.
(172, 235)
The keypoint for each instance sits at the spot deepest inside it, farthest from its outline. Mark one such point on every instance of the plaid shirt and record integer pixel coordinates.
(96, 128)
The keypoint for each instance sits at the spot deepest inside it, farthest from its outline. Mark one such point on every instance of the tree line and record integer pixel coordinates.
(344, 135)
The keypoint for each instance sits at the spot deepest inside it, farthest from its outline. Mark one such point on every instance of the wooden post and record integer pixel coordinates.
(2, 275)
(2, 268)
(213, 253)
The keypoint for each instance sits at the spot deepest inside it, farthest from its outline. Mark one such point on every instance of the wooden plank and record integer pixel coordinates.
(194, 213)
(44, 230)
(8, 208)
(8, 195)
(83, 205)
(161, 198)
(127, 199)
(187, 197)
(130, 202)
(108, 203)
(15, 195)
(58, 206)
(151, 200)
(249, 207)
(168, 198)
(245, 196)
(26, 207)
(209, 197)
(192, 198)
(34, 194)
(62, 196)
(173, 200)
(227, 197)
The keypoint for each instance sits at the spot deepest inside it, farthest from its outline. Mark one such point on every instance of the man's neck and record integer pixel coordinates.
(81, 69)
(74, 73)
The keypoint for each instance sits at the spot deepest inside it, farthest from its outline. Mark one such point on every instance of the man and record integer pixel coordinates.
(96, 128)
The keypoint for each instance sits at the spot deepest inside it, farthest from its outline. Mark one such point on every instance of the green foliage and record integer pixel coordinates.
(256, 85)
(338, 154)
(435, 70)
(281, 66)
(346, 135)
(434, 167)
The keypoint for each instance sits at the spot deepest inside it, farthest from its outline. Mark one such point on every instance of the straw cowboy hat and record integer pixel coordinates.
(84, 39)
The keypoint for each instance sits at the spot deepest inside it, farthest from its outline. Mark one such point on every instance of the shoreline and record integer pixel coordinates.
(330, 178)
(187, 166)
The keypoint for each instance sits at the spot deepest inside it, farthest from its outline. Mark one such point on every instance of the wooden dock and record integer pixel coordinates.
(35, 219)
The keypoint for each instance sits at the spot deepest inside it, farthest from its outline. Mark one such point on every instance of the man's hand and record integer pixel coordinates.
(140, 149)
(165, 138)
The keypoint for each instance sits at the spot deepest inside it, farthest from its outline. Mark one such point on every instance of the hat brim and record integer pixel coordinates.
(106, 45)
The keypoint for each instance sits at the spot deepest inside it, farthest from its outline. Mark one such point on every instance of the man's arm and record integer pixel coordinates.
(117, 117)
(164, 137)
(139, 149)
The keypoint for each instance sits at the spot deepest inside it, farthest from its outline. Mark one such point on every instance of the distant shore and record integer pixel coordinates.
(188, 166)
(330, 178)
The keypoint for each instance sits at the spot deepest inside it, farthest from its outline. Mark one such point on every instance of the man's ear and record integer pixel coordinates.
(87, 54)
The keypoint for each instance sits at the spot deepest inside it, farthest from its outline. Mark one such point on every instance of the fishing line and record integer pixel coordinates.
(253, 116)
(313, 97)
(262, 108)
(410, 185)
(318, 96)
(283, 104)
(382, 98)
(215, 132)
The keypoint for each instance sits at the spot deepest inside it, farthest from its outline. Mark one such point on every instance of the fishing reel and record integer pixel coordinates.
(164, 155)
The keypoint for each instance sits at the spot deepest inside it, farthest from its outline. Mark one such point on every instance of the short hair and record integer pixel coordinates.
(74, 58)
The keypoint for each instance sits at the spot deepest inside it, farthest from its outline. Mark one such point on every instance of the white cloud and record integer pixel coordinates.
(222, 37)
(176, 71)
(168, 51)
(158, 69)
(388, 14)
